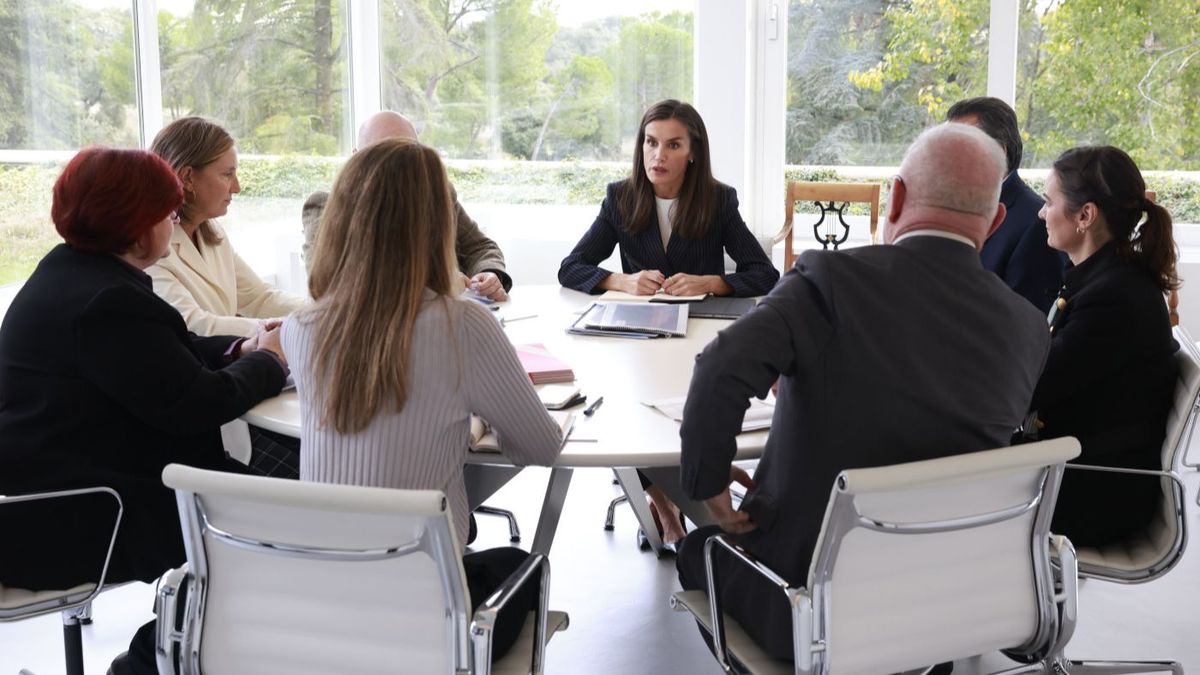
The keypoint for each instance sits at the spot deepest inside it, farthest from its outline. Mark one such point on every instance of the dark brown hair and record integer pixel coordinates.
(1108, 178)
(697, 206)
(997, 119)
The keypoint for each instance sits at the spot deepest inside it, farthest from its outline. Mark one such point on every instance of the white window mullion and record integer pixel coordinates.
(1002, 50)
(366, 83)
(720, 81)
(768, 149)
(147, 69)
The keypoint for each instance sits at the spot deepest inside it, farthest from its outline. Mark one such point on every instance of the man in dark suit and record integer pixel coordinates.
(480, 261)
(883, 355)
(1017, 251)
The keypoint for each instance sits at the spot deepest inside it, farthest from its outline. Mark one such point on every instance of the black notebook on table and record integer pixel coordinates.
(714, 307)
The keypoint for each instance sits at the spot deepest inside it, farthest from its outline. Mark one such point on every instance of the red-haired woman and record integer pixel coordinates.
(101, 384)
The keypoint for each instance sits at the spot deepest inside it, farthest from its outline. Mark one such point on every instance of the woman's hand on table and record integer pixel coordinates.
(267, 339)
(646, 282)
(693, 284)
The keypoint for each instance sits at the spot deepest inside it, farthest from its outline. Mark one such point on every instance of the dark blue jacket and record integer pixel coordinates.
(644, 251)
(1017, 251)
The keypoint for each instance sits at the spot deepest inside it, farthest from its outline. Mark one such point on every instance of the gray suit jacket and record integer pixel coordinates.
(884, 354)
(475, 251)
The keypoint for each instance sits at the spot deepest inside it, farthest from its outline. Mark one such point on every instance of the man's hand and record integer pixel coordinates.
(488, 285)
(721, 506)
(466, 280)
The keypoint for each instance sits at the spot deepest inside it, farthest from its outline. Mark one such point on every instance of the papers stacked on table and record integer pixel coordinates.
(483, 439)
(634, 320)
(758, 415)
(660, 296)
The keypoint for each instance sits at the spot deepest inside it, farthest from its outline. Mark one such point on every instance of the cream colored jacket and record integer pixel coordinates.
(215, 290)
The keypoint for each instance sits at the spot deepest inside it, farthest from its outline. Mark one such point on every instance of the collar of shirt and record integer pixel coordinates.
(935, 233)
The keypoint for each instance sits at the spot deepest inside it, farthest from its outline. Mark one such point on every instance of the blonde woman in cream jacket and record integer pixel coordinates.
(203, 277)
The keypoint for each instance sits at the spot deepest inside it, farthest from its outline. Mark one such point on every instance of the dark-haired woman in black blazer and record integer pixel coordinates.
(674, 223)
(1111, 371)
(672, 220)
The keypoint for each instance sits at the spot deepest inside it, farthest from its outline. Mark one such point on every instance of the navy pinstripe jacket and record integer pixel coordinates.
(644, 251)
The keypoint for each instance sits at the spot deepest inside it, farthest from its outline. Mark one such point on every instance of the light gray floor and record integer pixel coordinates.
(617, 599)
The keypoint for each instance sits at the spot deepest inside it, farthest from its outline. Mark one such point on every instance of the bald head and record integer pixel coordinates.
(951, 179)
(384, 125)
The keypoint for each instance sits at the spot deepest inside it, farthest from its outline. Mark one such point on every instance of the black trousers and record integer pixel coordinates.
(485, 571)
(749, 599)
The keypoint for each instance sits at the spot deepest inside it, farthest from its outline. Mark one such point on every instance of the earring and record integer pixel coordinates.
(692, 160)
(1080, 230)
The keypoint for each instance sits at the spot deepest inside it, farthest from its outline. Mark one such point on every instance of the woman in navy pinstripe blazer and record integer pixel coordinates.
(673, 221)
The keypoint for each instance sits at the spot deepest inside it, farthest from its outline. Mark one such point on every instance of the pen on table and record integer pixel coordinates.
(505, 320)
(592, 408)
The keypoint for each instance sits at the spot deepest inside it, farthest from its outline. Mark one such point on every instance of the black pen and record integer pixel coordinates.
(592, 408)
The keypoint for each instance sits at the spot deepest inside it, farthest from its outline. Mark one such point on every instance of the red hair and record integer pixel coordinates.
(107, 199)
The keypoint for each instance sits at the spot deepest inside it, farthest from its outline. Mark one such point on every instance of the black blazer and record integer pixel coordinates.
(754, 276)
(101, 384)
(884, 354)
(1109, 382)
(1018, 250)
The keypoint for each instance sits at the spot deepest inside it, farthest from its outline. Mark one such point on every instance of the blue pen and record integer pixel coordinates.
(591, 409)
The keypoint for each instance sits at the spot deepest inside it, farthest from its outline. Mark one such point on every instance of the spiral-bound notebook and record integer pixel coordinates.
(631, 320)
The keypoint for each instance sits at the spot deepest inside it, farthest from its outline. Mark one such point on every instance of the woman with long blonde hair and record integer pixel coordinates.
(390, 364)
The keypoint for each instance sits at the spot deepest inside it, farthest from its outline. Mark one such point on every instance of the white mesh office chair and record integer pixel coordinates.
(918, 564)
(74, 603)
(295, 577)
(1149, 554)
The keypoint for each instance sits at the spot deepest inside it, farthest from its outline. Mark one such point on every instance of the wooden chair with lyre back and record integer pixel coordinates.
(827, 197)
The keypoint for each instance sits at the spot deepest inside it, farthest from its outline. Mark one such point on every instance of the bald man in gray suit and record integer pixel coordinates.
(884, 354)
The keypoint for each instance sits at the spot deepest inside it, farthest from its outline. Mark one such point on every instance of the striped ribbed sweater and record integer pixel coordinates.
(462, 364)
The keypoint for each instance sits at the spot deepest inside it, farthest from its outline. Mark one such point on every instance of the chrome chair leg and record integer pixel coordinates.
(73, 638)
(608, 519)
(1074, 667)
(514, 532)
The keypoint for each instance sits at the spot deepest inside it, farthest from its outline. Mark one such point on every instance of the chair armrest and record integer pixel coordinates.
(1180, 490)
(798, 600)
(168, 634)
(56, 604)
(484, 621)
(1066, 584)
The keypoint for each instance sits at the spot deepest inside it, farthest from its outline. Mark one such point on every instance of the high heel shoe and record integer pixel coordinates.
(668, 547)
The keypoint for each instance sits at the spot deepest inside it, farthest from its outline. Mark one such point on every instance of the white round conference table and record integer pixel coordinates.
(622, 434)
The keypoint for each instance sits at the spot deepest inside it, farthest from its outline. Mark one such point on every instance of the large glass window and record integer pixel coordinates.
(66, 81)
(865, 76)
(1111, 72)
(533, 103)
(275, 74)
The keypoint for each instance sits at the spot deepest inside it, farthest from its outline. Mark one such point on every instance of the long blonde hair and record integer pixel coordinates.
(194, 142)
(386, 235)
